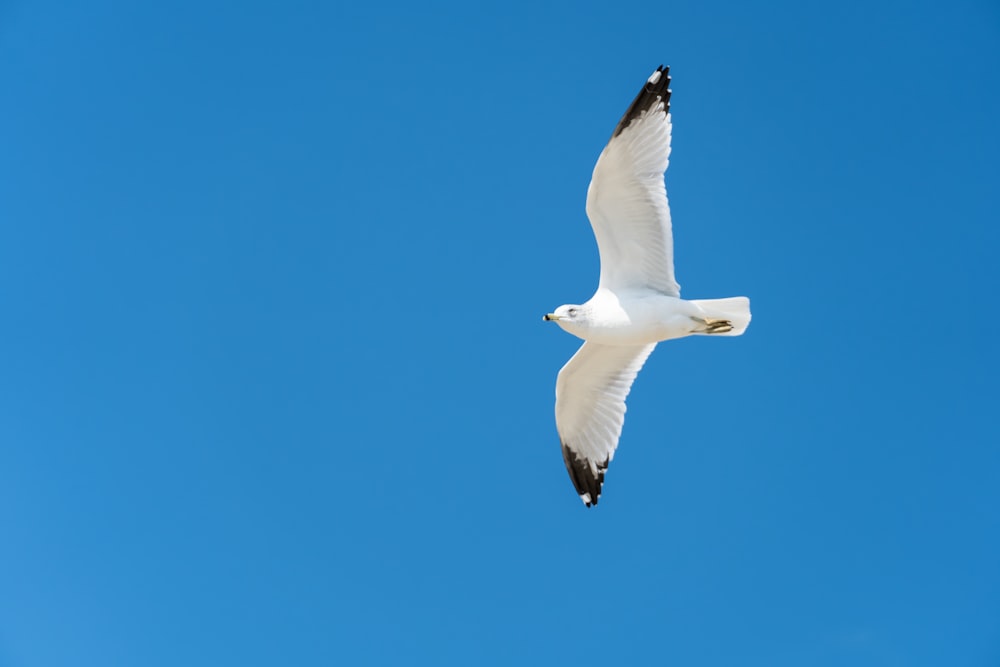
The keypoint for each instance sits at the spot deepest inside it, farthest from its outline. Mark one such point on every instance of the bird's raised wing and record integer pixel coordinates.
(627, 200)
(590, 409)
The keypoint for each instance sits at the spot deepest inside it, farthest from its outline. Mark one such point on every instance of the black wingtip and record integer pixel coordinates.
(587, 483)
(657, 87)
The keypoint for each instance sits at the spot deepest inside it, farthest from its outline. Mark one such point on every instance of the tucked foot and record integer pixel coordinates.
(713, 326)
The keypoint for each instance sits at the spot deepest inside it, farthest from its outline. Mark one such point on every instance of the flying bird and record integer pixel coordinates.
(637, 303)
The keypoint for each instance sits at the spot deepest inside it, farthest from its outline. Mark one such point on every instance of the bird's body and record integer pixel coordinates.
(639, 317)
(637, 303)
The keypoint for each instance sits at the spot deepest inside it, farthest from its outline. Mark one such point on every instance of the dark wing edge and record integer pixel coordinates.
(587, 481)
(651, 93)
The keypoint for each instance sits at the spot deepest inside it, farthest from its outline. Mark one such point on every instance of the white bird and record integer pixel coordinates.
(637, 303)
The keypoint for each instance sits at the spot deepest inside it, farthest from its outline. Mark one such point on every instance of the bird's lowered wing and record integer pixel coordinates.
(590, 409)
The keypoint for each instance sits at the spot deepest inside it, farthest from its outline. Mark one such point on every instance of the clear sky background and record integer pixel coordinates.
(274, 383)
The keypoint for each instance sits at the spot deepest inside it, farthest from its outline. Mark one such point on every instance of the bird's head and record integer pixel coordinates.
(563, 315)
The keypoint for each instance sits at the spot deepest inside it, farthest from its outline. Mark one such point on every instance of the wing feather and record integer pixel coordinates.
(627, 199)
(590, 409)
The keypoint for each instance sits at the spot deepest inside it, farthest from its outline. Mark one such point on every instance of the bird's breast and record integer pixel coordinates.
(638, 320)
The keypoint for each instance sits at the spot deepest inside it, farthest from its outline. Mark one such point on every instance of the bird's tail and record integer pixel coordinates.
(735, 309)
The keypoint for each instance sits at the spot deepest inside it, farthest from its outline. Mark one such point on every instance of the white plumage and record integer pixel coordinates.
(627, 204)
(637, 303)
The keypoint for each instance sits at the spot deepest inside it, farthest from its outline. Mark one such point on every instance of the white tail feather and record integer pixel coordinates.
(736, 309)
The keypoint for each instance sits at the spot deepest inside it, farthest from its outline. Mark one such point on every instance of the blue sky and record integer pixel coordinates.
(275, 388)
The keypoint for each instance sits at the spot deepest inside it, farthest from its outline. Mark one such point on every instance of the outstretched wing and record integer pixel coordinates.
(590, 409)
(627, 200)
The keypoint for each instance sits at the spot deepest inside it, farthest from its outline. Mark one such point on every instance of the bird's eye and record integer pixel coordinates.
(572, 312)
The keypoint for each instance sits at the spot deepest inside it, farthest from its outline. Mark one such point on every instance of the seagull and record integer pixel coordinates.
(637, 303)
